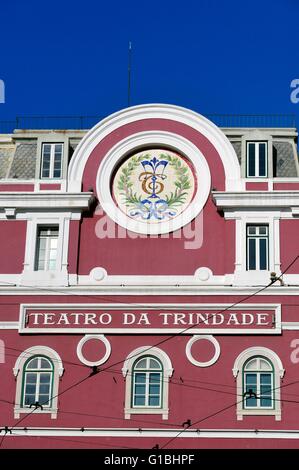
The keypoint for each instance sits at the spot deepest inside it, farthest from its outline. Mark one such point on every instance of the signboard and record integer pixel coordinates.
(150, 318)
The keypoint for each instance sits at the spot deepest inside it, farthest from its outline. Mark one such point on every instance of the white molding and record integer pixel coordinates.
(98, 274)
(51, 138)
(18, 373)
(156, 111)
(243, 276)
(153, 351)
(157, 280)
(212, 340)
(290, 325)
(35, 350)
(136, 142)
(9, 325)
(262, 200)
(258, 351)
(56, 277)
(101, 361)
(45, 200)
(155, 432)
(277, 374)
(18, 411)
(11, 289)
(167, 373)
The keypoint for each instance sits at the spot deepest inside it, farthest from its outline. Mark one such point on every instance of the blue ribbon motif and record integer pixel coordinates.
(153, 210)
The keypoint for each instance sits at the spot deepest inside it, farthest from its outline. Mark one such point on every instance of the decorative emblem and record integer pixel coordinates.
(154, 185)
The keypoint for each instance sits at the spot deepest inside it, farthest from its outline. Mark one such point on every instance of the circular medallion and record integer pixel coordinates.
(197, 338)
(102, 339)
(154, 185)
(153, 182)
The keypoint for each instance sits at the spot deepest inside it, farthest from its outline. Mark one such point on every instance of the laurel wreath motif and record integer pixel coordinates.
(174, 199)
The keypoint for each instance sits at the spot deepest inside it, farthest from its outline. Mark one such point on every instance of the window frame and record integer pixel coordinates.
(38, 372)
(52, 161)
(278, 373)
(48, 278)
(127, 371)
(19, 372)
(48, 248)
(243, 276)
(148, 371)
(257, 247)
(258, 392)
(257, 143)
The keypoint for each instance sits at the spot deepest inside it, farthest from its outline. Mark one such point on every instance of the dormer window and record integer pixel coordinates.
(51, 166)
(256, 160)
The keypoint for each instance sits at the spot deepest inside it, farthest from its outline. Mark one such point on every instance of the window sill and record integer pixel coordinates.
(45, 278)
(146, 411)
(251, 277)
(52, 411)
(265, 412)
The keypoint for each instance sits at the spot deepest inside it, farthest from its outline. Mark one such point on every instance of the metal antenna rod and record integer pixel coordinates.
(129, 72)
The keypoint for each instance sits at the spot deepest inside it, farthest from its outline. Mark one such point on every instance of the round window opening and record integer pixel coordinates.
(154, 185)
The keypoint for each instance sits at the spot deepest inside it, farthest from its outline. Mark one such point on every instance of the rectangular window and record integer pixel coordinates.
(257, 247)
(147, 389)
(259, 390)
(46, 248)
(256, 161)
(51, 166)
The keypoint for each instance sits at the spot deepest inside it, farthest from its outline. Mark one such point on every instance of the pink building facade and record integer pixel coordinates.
(149, 285)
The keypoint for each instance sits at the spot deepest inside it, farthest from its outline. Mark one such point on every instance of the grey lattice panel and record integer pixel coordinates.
(283, 160)
(6, 156)
(24, 162)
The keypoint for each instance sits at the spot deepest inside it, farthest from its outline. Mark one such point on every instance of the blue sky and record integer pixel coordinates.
(70, 58)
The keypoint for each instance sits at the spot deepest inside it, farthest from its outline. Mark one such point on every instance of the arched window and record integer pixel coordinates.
(147, 370)
(147, 382)
(37, 371)
(37, 381)
(258, 383)
(258, 372)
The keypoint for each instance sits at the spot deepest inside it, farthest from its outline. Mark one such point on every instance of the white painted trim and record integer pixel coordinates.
(258, 351)
(157, 432)
(256, 158)
(212, 340)
(153, 351)
(135, 143)
(150, 306)
(45, 200)
(40, 158)
(10, 289)
(290, 325)
(156, 111)
(84, 340)
(265, 200)
(18, 373)
(35, 350)
(151, 331)
(167, 373)
(150, 280)
(9, 325)
(56, 277)
(242, 276)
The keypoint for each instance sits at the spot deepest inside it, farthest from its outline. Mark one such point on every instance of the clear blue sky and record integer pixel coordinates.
(70, 57)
